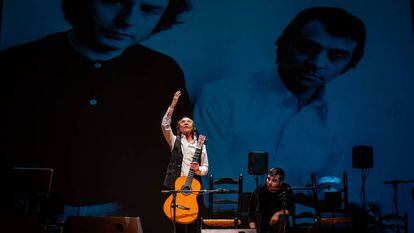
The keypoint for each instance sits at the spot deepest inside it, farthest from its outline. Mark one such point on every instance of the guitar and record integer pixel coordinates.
(186, 210)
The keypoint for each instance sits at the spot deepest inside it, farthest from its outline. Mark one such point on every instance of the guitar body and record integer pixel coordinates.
(187, 207)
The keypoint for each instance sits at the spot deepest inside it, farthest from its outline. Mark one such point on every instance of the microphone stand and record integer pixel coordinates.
(174, 200)
(174, 206)
(395, 204)
(283, 206)
(394, 184)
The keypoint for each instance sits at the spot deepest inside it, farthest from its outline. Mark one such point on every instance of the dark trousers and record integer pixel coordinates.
(279, 227)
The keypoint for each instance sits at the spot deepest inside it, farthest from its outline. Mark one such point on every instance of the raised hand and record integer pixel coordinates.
(175, 99)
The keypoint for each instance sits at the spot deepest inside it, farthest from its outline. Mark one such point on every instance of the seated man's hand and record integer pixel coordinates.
(275, 218)
(252, 225)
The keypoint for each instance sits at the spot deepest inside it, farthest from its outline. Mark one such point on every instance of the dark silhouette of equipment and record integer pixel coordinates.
(363, 158)
(258, 164)
(398, 222)
(394, 222)
(29, 199)
(332, 201)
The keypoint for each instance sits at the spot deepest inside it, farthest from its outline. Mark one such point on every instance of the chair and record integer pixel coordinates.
(305, 218)
(331, 194)
(395, 223)
(225, 205)
(83, 224)
(304, 222)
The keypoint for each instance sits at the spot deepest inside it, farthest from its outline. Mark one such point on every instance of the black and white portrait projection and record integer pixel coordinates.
(1, 15)
(321, 88)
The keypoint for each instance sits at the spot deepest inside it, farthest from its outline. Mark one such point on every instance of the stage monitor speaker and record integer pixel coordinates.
(362, 157)
(258, 162)
(82, 224)
(228, 230)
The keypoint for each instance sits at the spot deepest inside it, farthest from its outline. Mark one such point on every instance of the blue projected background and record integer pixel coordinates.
(372, 104)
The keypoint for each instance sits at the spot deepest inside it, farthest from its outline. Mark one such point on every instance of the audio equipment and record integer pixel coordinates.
(258, 163)
(362, 157)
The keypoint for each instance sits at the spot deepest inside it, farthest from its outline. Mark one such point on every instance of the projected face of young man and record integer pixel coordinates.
(118, 24)
(316, 57)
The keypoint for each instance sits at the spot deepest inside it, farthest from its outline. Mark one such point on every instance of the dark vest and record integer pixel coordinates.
(174, 167)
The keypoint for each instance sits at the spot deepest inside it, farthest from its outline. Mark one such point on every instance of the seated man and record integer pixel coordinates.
(271, 203)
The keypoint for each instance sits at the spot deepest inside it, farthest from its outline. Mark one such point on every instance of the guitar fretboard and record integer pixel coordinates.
(196, 157)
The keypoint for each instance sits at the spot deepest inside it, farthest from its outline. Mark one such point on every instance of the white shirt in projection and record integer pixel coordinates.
(258, 113)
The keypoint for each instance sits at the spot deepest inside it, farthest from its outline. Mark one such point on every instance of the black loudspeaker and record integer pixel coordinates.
(258, 161)
(362, 157)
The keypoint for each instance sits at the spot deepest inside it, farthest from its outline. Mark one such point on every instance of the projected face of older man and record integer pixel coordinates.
(316, 57)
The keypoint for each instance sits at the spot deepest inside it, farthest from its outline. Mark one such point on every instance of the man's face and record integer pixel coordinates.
(186, 125)
(119, 24)
(273, 182)
(316, 57)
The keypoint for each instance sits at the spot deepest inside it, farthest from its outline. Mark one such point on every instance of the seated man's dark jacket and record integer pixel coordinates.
(263, 204)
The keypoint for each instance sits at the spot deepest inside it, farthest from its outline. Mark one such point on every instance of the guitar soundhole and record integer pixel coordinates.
(185, 188)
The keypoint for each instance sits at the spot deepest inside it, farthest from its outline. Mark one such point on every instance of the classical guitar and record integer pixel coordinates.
(186, 210)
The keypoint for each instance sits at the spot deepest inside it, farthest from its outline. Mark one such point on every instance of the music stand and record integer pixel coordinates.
(32, 179)
(30, 193)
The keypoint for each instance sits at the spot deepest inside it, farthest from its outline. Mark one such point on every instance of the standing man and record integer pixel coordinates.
(283, 110)
(271, 203)
(183, 147)
(87, 102)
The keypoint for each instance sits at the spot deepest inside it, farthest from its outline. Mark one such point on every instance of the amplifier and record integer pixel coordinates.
(228, 230)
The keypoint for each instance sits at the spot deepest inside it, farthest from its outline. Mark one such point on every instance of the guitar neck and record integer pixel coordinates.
(196, 157)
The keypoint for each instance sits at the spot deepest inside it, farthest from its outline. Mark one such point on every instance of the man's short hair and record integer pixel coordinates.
(337, 22)
(76, 14)
(277, 171)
